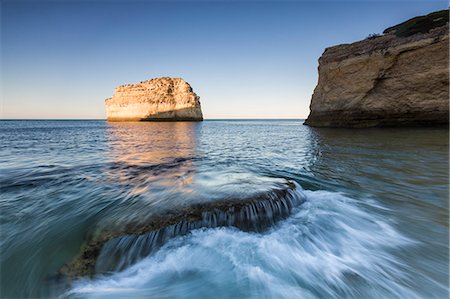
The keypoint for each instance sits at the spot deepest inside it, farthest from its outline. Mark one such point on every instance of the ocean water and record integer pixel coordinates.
(371, 219)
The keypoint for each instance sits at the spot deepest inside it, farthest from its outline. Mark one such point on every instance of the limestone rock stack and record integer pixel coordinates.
(400, 78)
(160, 99)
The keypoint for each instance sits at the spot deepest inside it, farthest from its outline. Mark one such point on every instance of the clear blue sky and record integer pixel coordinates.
(245, 59)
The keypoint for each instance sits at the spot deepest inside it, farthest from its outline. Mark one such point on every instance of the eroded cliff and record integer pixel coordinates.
(397, 79)
(160, 99)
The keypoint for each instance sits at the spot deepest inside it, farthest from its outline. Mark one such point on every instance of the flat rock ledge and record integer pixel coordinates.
(159, 99)
(106, 250)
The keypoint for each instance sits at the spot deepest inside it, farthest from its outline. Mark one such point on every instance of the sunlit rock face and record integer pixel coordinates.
(398, 79)
(160, 99)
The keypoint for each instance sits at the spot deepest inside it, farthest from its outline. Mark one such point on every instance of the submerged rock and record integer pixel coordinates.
(160, 99)
(112, 249)
(397, 79)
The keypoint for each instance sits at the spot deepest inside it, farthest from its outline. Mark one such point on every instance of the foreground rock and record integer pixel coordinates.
(112, 249)
(398, 79)
(160, 99)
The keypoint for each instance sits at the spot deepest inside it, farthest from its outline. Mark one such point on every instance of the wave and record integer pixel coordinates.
(330, 247)
(116, 249)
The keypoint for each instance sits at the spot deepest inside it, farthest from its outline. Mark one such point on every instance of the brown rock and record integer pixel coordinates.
(160, 99)
(385, 80)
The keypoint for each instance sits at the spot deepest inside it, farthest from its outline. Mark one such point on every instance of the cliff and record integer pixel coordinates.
(160, 99)
(400, 78)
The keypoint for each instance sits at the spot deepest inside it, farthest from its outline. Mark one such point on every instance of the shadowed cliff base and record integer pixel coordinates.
(358, 119)
(184, 114)
(110, 249)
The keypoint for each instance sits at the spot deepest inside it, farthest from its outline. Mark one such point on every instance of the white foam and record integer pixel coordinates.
(330, 247)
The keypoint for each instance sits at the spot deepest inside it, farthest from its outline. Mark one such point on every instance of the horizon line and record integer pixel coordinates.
(24, 119)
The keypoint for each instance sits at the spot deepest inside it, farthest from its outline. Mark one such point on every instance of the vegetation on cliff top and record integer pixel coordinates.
(421, 24)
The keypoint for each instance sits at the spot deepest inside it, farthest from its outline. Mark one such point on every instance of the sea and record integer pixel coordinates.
(372, 222)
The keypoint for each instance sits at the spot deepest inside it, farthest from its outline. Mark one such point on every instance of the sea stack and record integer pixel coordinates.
(400, 78)
(159, 99)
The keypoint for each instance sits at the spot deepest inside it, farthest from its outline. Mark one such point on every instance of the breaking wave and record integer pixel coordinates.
(330, 246)
(254, 214)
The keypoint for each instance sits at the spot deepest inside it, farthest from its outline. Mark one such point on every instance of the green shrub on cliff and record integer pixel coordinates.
(422, 24)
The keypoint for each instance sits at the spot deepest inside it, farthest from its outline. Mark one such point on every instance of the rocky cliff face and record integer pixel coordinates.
(400, 78)
(160, 99)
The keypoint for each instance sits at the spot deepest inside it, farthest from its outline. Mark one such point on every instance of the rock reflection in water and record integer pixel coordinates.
(151, 162)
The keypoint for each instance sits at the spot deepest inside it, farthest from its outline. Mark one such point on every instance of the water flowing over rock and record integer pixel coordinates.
(113, 249)
(160, 99)
(400, 78)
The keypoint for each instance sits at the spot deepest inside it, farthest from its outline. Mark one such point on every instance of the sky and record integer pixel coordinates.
(245, 59)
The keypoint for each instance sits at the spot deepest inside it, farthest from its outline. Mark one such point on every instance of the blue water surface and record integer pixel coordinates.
(374, 224)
